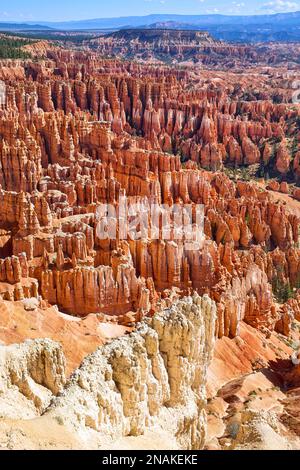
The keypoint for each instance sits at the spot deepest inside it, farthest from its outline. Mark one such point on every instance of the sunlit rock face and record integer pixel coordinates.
(130, 387)
(81, 134)
(187, 47)
(77, 131)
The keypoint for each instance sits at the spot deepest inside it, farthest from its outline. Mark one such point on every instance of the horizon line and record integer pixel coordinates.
(24, 21)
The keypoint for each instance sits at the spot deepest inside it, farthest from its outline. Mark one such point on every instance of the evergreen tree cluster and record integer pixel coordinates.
(283, 290)
(12, 48)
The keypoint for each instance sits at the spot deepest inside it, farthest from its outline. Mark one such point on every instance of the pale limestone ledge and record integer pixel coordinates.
(146, 389)
(152, 378)
(30, 374)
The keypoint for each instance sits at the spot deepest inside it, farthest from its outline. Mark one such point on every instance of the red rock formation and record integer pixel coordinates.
(74, 136)
(181, 46)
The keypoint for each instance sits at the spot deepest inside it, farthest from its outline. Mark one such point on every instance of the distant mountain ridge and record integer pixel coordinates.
(23, 27)
(199, 20)
(283, 27)
(249, 33)
(280, 27)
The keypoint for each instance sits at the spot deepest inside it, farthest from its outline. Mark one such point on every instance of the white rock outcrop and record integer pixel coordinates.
(147, 388)
(30, 374)
(295, 358)
(153, 378)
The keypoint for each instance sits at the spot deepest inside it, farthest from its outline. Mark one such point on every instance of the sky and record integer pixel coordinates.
(62, 10)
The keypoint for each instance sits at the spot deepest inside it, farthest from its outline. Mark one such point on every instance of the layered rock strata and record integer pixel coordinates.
(186, 46)
(152, 379)
(31, 373)
(77, 131)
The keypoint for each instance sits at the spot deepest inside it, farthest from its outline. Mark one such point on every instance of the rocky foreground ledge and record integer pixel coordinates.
(151, 382)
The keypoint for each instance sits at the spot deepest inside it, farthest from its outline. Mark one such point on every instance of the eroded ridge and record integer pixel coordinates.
(76, 134)
(151, 381)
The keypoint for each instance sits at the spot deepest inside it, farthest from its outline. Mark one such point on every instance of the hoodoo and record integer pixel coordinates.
(149, 241)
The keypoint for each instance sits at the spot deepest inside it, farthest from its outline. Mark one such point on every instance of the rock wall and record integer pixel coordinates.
(78, 130)
(30, 374)
(153, 379)
(180, 46)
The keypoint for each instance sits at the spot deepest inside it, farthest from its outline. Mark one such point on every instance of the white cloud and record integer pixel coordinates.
(278, 6)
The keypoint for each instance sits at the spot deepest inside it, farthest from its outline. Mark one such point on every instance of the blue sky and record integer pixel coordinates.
(56, 10)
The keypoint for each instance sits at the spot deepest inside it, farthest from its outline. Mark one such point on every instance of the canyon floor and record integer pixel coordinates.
(112, 341)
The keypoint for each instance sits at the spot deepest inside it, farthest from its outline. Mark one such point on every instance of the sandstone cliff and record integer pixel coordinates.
(75, 136)
(31, 373)
(183, 46)
(76, 131)
(151, 380)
